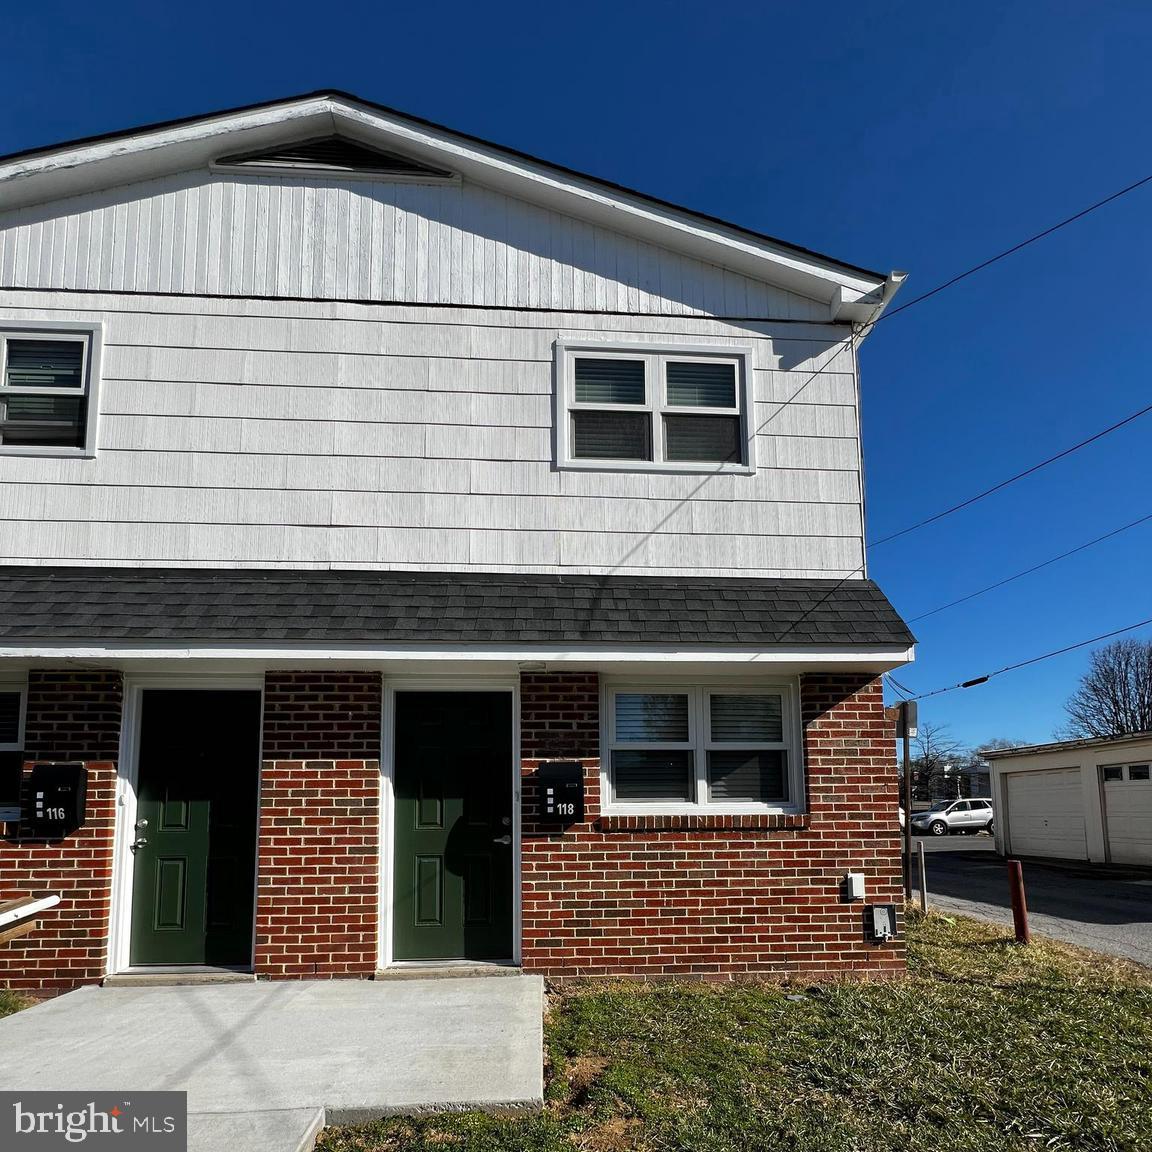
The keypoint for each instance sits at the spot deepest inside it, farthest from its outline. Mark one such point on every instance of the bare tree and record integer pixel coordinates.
(935, 752)
(1115, 694)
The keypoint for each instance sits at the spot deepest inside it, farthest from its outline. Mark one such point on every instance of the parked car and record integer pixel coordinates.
(948, 816)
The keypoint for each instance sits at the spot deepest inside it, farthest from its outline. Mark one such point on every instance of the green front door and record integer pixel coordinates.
(195, 839)
(453, 789)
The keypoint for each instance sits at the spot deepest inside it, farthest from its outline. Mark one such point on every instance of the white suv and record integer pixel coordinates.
(955, 816)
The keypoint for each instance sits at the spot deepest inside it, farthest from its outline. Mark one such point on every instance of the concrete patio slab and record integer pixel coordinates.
(281, 1130)
(356, 1049)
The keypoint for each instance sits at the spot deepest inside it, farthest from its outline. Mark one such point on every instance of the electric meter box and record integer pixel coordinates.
(56, 799)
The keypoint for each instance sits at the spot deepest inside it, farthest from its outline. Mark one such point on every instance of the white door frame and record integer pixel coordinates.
(127, 776)
(388, 801)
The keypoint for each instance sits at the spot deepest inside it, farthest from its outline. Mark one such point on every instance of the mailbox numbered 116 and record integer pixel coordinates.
(57, 795)
(561, 787)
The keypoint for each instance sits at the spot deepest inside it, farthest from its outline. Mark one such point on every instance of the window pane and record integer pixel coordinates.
(644, 718)
(752, 776)
(42, 420)
(11, 770)
(1138, 772)
(640, 775)
(45, 363)
(711, 438)
(1114, 773)
(747, 719)
(609, 381)
(611, 436)
(9, 717)
(702, 385)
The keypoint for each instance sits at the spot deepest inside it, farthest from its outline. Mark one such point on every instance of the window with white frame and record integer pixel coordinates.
(46, 390)
(646, 408)
(702, 746)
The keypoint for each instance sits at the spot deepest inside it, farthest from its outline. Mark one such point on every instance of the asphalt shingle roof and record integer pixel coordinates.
(53, 605)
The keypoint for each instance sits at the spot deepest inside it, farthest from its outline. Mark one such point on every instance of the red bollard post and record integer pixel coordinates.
(1019, 903)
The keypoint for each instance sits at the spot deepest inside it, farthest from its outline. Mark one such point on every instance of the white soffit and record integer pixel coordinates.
(69, 170)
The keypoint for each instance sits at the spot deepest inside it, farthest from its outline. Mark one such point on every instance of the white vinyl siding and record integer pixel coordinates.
(301, 435)
(641, 408)
(251, 235)
(701, 748)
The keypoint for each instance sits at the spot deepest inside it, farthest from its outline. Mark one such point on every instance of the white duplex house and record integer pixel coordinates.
(413, 551)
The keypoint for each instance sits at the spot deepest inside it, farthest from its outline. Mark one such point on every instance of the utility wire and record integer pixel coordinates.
(1011, 479)
(1029, 571)
(1033, 660)
(957, 507)
(1015, 248)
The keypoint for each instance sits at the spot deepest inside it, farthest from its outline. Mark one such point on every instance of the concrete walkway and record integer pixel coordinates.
(266, 1064)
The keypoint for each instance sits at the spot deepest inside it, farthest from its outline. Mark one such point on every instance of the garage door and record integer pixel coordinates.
(1046, 814)
(1128, 813)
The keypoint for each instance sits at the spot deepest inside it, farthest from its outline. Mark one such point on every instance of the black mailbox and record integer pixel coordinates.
(56, 799)
(561, 788)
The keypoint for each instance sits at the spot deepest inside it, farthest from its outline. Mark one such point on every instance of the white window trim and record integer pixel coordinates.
(20, 686)
(564, 396)
(92, 336)
(698, 733)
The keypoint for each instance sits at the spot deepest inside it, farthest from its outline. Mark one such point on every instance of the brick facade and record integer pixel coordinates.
(70, 716)
(700, 896)
(317, 900)
(714, 897)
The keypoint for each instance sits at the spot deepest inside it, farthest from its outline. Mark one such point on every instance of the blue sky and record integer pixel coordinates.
(893, 134)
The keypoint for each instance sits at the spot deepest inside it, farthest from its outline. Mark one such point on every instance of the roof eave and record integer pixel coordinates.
(853, 295)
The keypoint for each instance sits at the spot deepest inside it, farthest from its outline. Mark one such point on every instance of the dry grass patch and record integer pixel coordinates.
(985, 1047)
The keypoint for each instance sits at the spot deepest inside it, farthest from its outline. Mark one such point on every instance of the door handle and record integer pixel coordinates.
(501, 839)
(139, 842)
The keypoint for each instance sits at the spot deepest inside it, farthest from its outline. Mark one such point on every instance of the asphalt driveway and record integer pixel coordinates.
(1105, 909)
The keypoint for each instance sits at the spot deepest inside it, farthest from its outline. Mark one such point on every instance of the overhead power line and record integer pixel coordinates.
(978, 680)
(1015, 248)
(1029, 571)
(1011, 479)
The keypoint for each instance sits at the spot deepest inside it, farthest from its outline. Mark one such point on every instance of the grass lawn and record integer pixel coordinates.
(986, 1046)
(10, 1002)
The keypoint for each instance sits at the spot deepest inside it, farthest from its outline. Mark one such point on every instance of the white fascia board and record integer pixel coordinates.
(881, 658)
(28, 910)
(110, 163)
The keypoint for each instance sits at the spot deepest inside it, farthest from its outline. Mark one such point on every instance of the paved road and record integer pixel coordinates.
(1109, 911)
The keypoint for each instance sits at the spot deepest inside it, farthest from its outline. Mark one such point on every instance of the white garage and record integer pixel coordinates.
(1076, 800)
(1047, 813)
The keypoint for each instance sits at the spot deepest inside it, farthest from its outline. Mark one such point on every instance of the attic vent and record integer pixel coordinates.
(335, 154)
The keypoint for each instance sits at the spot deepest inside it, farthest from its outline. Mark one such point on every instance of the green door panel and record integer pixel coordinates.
(195, 865)
(453, 786)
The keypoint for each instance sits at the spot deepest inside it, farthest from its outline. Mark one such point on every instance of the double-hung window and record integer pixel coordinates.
(648, 409)
(701, 747)
(47, 404)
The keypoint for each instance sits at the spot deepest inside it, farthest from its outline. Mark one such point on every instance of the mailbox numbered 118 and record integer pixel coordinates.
(561, 787)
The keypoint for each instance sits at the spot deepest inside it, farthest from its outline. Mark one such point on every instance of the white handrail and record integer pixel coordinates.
(29, 909)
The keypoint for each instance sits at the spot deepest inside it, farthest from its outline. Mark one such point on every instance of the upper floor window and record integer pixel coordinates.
(46, 390)
(647, 409)
(673, 747)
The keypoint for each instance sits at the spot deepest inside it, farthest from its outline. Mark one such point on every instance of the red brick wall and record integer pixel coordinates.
(322, 715)
(317, 888)
(70, 716)
(714, 897)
